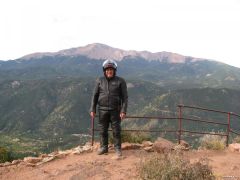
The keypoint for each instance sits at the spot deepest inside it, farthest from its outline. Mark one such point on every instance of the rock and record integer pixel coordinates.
(96, 146)
(184, 144)
(60, 155)
(7, 164)
(149, 149)
(32, 160)
(43, 155)
(128, 146)
(115, 157)
(22, 163)
(77, 150)
(88, 144)
(65, 152)
(235, 147)
(147, 143)
(179, 147)
(87, 148)
(30, 164)
(54, 153)
(46, 159)
(163, 146)
(81, 149)
(14, 162)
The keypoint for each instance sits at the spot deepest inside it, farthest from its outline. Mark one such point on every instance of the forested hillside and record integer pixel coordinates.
(44, 99)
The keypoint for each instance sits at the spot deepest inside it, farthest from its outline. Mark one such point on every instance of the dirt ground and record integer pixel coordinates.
(225, 164)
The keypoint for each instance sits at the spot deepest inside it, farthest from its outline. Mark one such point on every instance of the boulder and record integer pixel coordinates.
(87, 148)
(148, 149)
(128, 146)
(147, 143)
(162, 145)
(32, 160)
(47, 159)
(14, 162)
(43, 155)
(5, 164)
(184, 144)
(81, 149)
(235, 147)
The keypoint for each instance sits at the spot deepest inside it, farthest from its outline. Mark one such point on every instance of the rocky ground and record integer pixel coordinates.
(84, 163)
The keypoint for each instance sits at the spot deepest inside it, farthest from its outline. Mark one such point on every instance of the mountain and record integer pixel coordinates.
(45, 97)
(166, 105)
(56, 105)
(164, 69)
(101, 51)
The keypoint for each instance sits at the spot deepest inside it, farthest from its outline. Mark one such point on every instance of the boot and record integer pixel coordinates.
(102, 150)
(118, 152)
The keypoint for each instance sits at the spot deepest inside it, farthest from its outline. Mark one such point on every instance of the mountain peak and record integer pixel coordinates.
(95, 51)
(102, 51)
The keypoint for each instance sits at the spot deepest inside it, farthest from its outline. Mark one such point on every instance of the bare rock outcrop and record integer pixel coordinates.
(161, 145)
(44, 158)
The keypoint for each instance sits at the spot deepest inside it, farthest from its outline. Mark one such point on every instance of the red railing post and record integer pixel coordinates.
(228, 129)
(92, 125)
(179, 123)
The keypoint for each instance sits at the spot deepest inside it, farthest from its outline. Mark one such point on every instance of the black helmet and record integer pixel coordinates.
(109, 63)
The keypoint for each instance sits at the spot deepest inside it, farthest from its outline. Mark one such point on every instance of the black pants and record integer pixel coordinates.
(113, 118)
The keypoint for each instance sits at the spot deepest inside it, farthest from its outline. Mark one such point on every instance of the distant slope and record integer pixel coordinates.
(61, 106)
(190, 74)
(166, 105)
(58, 106)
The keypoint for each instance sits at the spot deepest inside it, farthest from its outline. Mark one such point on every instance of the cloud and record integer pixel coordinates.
(201, 28)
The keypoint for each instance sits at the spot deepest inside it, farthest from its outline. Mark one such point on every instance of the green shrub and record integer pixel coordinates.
(4, 155)
(212, 142)
(174, 167)
(132, 137)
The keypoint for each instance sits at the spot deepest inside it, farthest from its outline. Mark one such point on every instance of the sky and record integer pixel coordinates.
(200, 28)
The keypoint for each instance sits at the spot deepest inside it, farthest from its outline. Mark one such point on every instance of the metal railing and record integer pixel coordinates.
(227, 124)
(179, 131)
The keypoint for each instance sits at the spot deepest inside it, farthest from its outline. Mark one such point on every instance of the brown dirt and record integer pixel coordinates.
(225, 164)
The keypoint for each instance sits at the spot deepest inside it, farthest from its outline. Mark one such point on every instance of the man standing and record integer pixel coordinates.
(110, 93)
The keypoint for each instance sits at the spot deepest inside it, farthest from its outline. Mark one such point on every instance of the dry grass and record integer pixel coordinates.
(132, 137)
(174, 167)
(212, 142)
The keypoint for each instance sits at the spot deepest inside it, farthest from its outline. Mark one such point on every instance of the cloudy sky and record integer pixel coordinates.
(200, 28)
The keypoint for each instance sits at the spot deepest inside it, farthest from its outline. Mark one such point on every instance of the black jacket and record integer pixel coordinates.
(110, 94)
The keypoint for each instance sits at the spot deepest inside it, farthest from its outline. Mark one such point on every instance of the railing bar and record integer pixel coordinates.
(234, 114)
(180, 130)
(143, 130)
(194, 132)
(211, 122)
(234, 132)
(150, 117)
(205, 109)
(197, 132)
